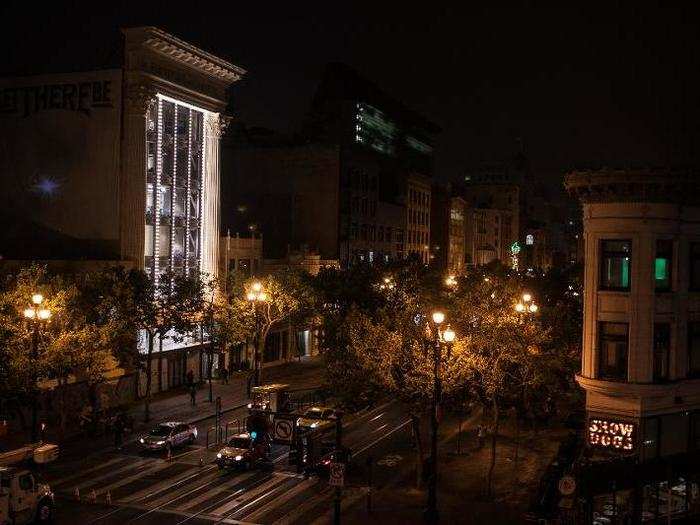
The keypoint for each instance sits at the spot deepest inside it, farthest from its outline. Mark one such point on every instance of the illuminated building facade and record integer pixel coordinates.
(119, 166)
(641, 344)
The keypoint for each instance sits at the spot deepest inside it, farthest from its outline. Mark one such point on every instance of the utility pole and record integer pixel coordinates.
(431, 513)
(35, 357)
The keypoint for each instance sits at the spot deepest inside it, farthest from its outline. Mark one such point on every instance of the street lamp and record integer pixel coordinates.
(451, 281)
(387, 283)
(441, 338)
(35, 315)
(257, 296)
(526, 305)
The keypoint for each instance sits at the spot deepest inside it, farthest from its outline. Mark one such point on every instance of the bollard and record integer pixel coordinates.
(93, 496)
(77, 493)
(108, 498)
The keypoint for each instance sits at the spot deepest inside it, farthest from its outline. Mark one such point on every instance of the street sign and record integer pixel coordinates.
(283, 430)
(567, 485)
(337, 475)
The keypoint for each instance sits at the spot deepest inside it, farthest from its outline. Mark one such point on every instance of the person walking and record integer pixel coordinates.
(193, 394)
(190, 378)
(480, 436)
(224, 375)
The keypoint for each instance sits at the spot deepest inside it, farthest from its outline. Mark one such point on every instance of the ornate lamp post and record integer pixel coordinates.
(526, 305)
(440, 338)
(35, 314)
(257, 298)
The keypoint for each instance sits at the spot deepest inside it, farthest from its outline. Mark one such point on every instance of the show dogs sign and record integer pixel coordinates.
(612, 435)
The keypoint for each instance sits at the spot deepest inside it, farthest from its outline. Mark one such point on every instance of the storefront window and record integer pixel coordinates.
(615, 265)
(614, 507)
(662, 265)
(662, 345)
(612, 351)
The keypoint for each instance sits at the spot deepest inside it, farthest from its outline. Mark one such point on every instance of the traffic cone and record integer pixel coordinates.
(93, 496)
(108, 498)
(77, 493)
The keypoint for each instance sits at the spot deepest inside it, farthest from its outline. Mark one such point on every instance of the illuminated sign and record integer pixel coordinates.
(612, 435)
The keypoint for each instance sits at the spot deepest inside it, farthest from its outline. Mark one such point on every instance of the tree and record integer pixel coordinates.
(68, 345)
(503, 352)
(276, 301)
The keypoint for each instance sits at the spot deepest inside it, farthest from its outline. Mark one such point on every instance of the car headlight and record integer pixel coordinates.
(314, 425)
(142, 440)
(238, 458)
(160, 442)
(250, 405)
(218, 456)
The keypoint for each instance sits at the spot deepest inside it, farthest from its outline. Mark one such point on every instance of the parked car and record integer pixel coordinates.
(174, 433)
(315, 417)
(242, 452)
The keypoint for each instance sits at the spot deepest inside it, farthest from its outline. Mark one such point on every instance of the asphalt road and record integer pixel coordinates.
(131, 486)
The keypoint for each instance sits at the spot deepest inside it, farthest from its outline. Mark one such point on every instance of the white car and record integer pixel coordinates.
(174, 433)
(316, 417)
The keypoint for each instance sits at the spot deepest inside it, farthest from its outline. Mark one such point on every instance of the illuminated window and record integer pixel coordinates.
(615, 265)
(662, 265)
(530, 239)
(174, 142)
(612, 351)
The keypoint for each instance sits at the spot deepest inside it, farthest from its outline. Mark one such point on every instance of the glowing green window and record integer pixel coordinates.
(662, 265)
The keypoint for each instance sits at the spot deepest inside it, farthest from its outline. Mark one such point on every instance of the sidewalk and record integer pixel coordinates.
(175, 405)
(462, 479)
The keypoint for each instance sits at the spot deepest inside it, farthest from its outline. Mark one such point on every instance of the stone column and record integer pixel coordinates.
(138, 101)
(214, 127)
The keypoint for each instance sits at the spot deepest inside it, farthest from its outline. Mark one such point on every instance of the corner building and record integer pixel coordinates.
(641, 345)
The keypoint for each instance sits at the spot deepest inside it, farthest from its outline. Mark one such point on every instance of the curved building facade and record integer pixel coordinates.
(641, 340)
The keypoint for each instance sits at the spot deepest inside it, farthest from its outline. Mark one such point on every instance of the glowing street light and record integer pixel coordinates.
(438, 317)
(35, 314)
(451, 281)
(256, 295)
(449, 335)
(520, 307)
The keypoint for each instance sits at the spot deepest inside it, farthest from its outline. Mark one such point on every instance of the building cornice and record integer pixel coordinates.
(635, 185)
(639, 390)
(170, 46)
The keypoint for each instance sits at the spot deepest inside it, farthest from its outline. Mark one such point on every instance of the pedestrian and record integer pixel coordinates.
(480, 436)
(118, 432)
(193, 394)
(224, 375)
(190, 378)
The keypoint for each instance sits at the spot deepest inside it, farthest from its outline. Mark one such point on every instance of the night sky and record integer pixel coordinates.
(579, 86)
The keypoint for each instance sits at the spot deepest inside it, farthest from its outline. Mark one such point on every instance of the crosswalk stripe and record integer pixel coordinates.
(96, 480)
(133, 477)
(247, 495)
(265, 499)
(302, 509)
(82, 472)
(282, 499)
(165, 484)
(221, 488)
